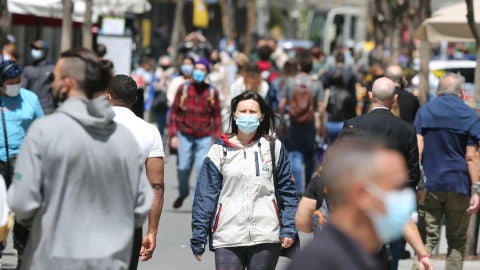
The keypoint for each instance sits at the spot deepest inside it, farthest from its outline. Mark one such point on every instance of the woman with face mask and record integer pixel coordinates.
(184, 73)
(19, 108)
(235, 200)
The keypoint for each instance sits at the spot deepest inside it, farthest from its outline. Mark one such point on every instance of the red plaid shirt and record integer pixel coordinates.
(199, 113)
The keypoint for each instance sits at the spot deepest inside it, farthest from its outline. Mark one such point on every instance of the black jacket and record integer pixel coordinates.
(408, 104)
(398, 134)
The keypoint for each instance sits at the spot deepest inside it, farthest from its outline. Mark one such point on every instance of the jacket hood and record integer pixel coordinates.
(95, 115)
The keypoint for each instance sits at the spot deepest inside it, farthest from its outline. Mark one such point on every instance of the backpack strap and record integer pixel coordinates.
(274, 170)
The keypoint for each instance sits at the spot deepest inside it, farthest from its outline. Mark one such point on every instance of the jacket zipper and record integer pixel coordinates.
(277, 212)
(217, 219)
(257, 166)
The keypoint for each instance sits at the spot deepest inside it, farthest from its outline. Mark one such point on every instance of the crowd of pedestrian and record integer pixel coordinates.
(276, 144)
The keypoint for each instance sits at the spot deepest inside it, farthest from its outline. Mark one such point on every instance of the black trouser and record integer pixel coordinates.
(137, 245)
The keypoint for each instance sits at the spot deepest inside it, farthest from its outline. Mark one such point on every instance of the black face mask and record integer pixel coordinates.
(165, 67)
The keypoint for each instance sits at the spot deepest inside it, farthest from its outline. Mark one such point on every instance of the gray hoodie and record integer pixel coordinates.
(79, 183)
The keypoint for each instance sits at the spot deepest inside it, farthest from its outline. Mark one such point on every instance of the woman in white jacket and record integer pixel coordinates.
(235, 200)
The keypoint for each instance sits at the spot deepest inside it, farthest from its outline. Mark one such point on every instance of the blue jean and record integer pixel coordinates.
(190, 149)
(297, 159)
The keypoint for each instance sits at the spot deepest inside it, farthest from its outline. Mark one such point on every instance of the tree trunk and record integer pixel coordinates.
(178, 29)
(4, 19)
(423, 86)
(87, 38)
(225, 18)
(251, 22)
(395, 43)
(67, 34)
(476, 35)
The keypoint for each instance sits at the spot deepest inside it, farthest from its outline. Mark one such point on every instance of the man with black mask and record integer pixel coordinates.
(35, 76)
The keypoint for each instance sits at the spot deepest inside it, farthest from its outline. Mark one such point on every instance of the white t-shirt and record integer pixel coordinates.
(147, 135)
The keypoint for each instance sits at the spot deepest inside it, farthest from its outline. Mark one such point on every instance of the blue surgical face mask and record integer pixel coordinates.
(399, 206)
(186, 69)
(247, 123)
(37, 54)
(198, 75)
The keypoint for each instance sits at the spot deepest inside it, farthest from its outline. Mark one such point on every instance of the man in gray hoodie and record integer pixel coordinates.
(79, 182)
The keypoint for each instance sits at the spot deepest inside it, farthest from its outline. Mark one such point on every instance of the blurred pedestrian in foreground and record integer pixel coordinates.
(448, 133)
(237, 189)
(19, 108)
(365, 183)
(195, 121)
(79, 181)
(122, 95)
(35, 76)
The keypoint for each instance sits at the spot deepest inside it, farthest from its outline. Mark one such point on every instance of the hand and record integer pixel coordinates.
(174, 142)
(474, 202)
(149, 243)
(421, 195)
(198, 258)
(425, 264)
(286, 242)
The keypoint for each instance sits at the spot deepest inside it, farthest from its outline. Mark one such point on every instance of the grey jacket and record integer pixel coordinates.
(80, 185)
(35, 78)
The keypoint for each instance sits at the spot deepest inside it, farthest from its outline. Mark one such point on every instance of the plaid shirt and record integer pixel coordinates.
(199, 113)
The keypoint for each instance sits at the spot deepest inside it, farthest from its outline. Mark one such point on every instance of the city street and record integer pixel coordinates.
(173, 250)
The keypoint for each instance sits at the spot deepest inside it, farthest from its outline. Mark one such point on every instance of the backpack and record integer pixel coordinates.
(301, 105)
(340, 105)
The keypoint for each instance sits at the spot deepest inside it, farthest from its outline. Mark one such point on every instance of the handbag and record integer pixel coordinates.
(291, 251)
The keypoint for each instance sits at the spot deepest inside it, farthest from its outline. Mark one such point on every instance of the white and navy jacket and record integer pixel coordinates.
(235, 202)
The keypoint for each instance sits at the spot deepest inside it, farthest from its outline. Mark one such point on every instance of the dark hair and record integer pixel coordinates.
(264, 53)
(340, 57)
(96, 75)
(267, 125)
(306, 64)
(337, 79)
(124, 89)
(100, 50)
(252, 78)
(290, 68)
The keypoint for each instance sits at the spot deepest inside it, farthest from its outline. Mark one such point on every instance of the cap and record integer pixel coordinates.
(39, 44)
(204, 62)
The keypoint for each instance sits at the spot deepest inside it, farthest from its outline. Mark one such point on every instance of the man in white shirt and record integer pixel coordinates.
(122, 95)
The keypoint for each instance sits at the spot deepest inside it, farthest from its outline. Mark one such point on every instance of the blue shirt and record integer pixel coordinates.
(443, 158)
(20, 111)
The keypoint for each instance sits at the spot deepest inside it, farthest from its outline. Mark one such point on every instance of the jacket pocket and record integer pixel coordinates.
(275, 206)
(217, 219)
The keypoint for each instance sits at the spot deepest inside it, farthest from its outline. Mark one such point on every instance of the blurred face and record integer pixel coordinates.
(187, 61)
(59, 85)
(250, 107)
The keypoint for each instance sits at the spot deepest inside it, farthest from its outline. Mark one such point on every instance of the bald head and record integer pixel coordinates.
(394, 73)
(383, 92)
(451, 84)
